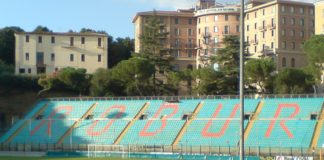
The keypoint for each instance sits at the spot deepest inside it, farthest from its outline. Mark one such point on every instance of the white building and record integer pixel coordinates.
(39, 53)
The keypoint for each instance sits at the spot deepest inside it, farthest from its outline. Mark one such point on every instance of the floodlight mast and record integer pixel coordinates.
(241, 87)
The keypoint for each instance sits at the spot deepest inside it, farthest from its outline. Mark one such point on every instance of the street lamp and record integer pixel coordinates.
(242, 81)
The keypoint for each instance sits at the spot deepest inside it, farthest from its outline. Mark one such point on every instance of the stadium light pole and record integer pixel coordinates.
(241, 86)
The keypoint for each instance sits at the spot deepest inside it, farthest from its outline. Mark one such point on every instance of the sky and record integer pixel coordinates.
(113, 16)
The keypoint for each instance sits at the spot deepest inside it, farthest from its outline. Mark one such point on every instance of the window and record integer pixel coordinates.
(301, 10)
(237, 28)
(190, 32)
(263, 11)
(206, 19)
(302, 34)
(247, 38)
(40, 39)
(283, 8)
(215, 40)
(27, 38)
(71, 57)
(189, 21)
(272, 22)
(283, 32)
(292, 21)
(199, 20)
(255, 37)
(284, 45)
(177, 31)
(283, 20)
(263, 35)
(263, 24)
(226, 30)
(272, 45)
(99, 42)
(226, 17)
(293, 62)
(247, 28)
(27, 56)
(247, 16)
(206, 30)
(292, 9)
(311, 11)
(189, 53)
(21, 70)
(176, 20)
(82, 57)
(263, 47)
(255, 25)
(52, 39)
(293, 45)
(272, 33)
(99, 58)
(215, 29)
(71, 41)
(302, 22)
(237, 17)
(161, 20)
(52, 57)
(283, 62)
(82, 40)
(29, 70)
(292, 33)
(255, 49)
(255, 14)
(215, 18)
(198, 30)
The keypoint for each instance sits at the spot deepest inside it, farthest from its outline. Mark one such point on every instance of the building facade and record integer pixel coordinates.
(213, 24)
(278, 29)
(319, 16)
(44, 53)
(181, 40)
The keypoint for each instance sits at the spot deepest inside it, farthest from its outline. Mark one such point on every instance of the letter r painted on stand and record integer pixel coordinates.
(68, 110)
(282, 122)
(146, 133)
(121, 111)
(205, 132)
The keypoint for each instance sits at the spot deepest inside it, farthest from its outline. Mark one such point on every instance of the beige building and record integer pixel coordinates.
(213, 25)
(181, 40)
(44, 53)
(319, 16)
(278, 29)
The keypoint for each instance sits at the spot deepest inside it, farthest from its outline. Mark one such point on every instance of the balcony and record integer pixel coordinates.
(262, 29)
(40, 64)
(190, 46)
(225, 32)
(254, 42)
(271, 26)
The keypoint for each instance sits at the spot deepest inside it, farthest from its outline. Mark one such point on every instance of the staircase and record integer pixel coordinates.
(76, 123)
(40, 111)
(318, 129)
(130, 124)
(187, 123)
(253, 119)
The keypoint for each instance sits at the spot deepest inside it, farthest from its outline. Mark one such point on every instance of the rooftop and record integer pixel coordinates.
(63, 33)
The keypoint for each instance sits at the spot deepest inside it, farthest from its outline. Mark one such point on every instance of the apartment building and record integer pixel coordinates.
(44, 53)
(278, 29)
(181, 40)
(213, 24)
(319, 16)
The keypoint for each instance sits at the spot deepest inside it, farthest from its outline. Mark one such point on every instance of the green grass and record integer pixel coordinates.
(47, 158)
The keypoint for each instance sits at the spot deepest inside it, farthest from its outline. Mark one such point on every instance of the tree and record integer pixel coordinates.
(293, 81)
(119, 50)
(102, 84)
(135, 76)
(258, 73)
(42, 29)
(76, 79)
(7, 44)
(314, 48)
(209, 81)
(228, 60)
(152, 48)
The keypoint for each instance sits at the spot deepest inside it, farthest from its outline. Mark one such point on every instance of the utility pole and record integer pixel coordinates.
(242, 81)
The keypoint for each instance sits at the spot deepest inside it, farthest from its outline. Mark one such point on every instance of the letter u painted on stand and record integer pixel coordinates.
(146, 133)
(282, 122)
(47, 121)
(121, 110)
(205, 132)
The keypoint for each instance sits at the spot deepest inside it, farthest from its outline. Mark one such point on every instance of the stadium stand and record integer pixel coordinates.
(271, 122)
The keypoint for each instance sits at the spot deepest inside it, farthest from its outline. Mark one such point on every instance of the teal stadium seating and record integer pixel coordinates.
(216, 124)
